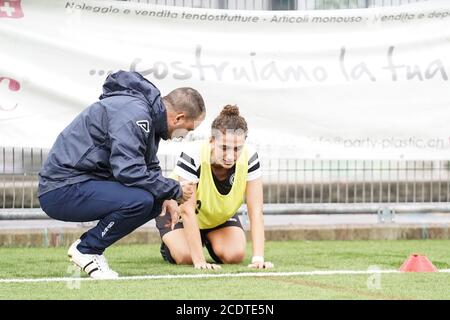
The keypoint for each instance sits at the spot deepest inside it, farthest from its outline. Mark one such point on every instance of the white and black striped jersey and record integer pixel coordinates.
(188, 166)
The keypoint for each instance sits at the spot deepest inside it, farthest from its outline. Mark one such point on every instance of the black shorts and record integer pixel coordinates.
(160, 224)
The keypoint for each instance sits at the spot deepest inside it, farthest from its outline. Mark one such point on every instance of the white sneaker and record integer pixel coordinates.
(95, 265)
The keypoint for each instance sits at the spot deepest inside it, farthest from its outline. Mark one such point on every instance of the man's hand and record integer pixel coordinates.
(188, 190)
(204, 265)
(172, 207)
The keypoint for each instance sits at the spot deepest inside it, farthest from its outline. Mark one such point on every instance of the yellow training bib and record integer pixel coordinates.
(214, 208)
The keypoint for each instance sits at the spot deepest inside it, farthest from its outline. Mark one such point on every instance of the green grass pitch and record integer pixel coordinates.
(25, 263)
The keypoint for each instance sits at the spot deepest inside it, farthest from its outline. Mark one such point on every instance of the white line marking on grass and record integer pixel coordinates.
(216, 275)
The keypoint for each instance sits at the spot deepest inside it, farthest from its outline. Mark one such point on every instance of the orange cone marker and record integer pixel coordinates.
(418, 263)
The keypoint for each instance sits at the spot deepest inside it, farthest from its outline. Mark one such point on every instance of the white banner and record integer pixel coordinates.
(341, 84)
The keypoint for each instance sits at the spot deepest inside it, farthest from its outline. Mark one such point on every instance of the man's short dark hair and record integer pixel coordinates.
(186, 100)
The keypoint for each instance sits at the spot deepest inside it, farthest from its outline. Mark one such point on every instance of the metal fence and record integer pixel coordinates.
(286, 181)
(279, 4)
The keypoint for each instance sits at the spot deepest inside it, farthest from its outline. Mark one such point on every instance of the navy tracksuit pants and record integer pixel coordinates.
(119, 209)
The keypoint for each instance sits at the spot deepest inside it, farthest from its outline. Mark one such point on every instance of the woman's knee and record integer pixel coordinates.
(175, 248)
(177, 256)
(183, 258)
(231, 256)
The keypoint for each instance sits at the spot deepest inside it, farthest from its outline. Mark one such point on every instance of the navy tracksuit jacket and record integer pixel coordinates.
(103, 166)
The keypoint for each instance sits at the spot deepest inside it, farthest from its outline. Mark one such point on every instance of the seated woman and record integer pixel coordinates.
(223, 170)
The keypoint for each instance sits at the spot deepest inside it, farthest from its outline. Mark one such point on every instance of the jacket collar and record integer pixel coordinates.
(160, 123)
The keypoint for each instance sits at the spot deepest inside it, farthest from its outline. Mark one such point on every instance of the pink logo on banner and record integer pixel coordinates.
(10, 9)
(13, 85)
